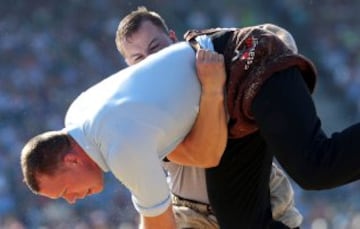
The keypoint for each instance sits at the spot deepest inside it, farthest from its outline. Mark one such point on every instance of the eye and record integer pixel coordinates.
(154, 48)
(137, 59)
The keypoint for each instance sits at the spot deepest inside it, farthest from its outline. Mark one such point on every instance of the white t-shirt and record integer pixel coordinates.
(131, 120)
(187, 181)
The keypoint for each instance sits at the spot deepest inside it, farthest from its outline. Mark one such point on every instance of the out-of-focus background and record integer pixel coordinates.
(51, 50)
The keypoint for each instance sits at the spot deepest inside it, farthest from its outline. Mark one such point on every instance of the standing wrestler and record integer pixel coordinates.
(142, 33)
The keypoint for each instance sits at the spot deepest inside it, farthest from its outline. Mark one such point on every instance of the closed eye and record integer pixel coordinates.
(154, 49)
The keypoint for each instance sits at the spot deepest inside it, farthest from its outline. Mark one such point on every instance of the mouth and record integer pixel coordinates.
(89, 192)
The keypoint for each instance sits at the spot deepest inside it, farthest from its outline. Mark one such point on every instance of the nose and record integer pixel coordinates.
(71, 199)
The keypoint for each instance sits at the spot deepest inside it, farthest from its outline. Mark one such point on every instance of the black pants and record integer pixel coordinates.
(238, 188)
(289, 129)
(279, 225)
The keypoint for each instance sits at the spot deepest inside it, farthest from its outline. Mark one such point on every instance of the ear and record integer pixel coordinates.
(173, 36)
(71, 159)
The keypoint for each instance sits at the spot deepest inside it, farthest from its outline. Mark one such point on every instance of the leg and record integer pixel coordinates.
(286, 116)
(239, 187)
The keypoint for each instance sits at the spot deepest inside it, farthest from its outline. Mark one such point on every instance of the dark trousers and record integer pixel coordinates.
(238, 188)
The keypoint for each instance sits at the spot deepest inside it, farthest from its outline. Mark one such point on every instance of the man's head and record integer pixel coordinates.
(55, 166)
(142, 33)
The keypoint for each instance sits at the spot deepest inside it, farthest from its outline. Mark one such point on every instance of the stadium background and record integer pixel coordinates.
(52, 50)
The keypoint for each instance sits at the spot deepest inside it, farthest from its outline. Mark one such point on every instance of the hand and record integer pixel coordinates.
(210, 69)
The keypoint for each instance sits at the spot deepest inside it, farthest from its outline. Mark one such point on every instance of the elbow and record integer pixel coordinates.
(209, 159)
(204, 158)
(213, 158)
(205, 161)
(212, 162)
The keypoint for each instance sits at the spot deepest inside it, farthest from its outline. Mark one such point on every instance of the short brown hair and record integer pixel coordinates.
(131, 23)
(42, 154)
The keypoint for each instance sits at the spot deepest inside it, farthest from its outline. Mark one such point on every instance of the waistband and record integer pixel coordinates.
(194, 205)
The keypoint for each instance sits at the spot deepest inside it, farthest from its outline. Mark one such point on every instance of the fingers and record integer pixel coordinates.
(210, 68)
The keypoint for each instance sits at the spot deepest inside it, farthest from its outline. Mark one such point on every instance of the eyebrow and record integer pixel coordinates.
(152, 42)
(147, 47)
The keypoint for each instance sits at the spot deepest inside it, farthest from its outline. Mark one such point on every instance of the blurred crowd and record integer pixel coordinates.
(52, 50)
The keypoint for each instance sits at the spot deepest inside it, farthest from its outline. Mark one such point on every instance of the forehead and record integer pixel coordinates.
(145, 33)
(147, 28)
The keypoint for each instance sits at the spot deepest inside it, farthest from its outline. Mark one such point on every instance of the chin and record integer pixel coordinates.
(98, 189)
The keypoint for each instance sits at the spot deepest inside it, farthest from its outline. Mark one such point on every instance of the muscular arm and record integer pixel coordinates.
(165, 220)
(205, 144)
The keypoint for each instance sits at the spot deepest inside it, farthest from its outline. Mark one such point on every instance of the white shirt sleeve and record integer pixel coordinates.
(205, 42)
(131, 155)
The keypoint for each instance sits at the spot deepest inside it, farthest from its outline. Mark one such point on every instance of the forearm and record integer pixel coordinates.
(165, 220)
(205, 143)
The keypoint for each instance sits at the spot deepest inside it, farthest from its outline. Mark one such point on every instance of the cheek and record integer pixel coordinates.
(98, 189)
(94, 183)
(81, 179)
(92, 176)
